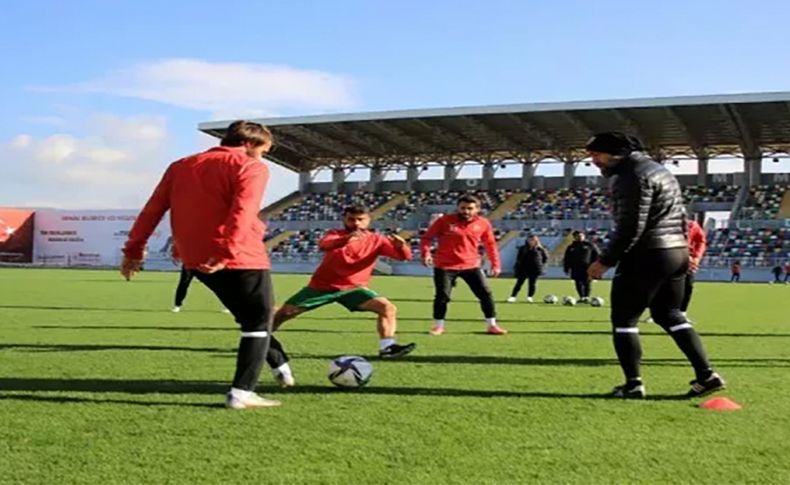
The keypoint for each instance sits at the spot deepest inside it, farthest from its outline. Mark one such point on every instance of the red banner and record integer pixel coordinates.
(16, 235)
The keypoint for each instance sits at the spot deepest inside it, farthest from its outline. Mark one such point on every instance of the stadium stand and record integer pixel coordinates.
(753, 247)
(719, 194)
(580, 203)
(416, 200)
(328, 207)
(763, 202)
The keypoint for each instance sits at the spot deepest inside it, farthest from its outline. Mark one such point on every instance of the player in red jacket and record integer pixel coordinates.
(459, 237)
(350, 254)
(697, 246)
(214, 198)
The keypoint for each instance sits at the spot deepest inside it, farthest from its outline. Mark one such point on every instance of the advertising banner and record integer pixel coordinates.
(16, 235)
(94, 238)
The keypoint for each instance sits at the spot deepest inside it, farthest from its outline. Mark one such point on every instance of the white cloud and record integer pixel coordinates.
(115, 167)
(226, 89)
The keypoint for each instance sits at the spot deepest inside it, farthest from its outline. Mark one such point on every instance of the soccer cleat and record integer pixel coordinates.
(584, 299)
(511, 299)
(710, 385)
(496, 330)
(285, 379)
(249, 402)
(176, 309)
(394, 351)
(436, 330)
(529, 299)
(649, 320)
(627, 391)
(225, 310)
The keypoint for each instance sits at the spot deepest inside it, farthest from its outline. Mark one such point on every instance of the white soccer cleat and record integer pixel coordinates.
(176, 309)
(284, 379)
(511, 299)
(225, 310)
(249, 402)
(529, 299)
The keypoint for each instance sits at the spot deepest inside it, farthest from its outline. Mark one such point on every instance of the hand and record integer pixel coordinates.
(597, 270)
(427, 260)
(211, 266)
(693, 265)
(398, 241)
(129, 267)
(494, 272)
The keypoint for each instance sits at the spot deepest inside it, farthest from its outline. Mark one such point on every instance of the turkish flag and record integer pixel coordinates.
(16, 235)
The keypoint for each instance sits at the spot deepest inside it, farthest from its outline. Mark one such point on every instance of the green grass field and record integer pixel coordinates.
(101, 384)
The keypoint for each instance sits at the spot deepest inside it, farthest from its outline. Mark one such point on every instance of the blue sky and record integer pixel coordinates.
(99, 96)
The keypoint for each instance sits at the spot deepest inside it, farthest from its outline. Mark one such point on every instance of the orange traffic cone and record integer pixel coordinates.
(720, 404)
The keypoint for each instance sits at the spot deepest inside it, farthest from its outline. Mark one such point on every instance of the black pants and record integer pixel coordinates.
(736, 277)
(520, 279)
(183, 285)
(582, 282)
(687, 291)
(249, 296)
(787, 277)
(778, 278)
(653, 279)
(444, 281)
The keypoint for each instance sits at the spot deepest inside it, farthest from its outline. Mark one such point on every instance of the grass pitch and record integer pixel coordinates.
(101, 384)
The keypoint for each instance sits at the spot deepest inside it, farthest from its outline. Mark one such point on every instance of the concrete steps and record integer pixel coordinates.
(784, 209)
(511, 203)
(276, 208)
(385, 207)
(273, 242)
(558, 253)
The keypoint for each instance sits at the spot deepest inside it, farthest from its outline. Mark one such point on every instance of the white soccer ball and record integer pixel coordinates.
(350, 372)
(550, 299)
(569, 301)
(596, 301)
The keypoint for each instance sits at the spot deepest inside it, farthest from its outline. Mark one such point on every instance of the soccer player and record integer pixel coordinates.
(578, 257)
(735, 269)
(777, 271)
(530, 261)
(458, 238)
(649, 247)
(350, 255)
(697, 245)
(214, 198)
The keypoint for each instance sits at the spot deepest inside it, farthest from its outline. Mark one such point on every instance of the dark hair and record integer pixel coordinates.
(469, 199)
(355, 210)
(576, 233)
(242, 131)
(614, 143)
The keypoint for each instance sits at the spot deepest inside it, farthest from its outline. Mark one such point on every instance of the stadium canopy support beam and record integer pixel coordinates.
(702, 169)
(528, 174)
(376, 177)
(569, 171)
(488, 176)
(338, 178)
(753, 168)
(450, 174)
(412, 176)
(305, 179)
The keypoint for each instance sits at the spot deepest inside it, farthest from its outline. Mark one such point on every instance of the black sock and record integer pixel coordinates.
(629, 352)
(688, 341)
(249, 362)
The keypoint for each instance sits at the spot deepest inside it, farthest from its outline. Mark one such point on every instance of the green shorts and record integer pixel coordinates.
(309, 299)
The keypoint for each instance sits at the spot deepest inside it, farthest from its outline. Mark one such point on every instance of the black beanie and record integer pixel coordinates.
(614, 142)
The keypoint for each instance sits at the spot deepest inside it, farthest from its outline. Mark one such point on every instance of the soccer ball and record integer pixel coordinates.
(569, 301)
(550, 299)
(350, 372)
(596, 301)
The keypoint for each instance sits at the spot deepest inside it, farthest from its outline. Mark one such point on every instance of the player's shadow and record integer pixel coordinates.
(159, 387)
(81, 309)
(608, 333)
(104, 347)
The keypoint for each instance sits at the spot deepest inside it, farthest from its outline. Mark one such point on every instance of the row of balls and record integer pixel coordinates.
(571, 301)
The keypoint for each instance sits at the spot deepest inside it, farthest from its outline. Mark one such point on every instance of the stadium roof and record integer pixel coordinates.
(745, 124)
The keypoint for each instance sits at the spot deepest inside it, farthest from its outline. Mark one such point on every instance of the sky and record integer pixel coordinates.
(98, 97)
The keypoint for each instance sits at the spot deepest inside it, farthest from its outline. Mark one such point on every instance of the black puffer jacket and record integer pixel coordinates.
(530, 261)
(579, 256)
(647, 207)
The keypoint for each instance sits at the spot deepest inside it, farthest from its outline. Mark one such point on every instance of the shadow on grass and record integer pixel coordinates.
(95, 309)
(214, 388)
(102, 347)
(83, 400)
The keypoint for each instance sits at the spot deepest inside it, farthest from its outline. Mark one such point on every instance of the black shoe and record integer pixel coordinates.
(710, 385)
(629, 391)
(394, 351)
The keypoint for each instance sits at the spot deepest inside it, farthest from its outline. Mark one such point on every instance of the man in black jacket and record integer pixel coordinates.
(648, 245)
(578, 257)
(530, 261)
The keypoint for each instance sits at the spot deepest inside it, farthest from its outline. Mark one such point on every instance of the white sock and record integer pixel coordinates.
(439, 323)
(240, 393)
(491, 322)
(284, 369)
(386, 342)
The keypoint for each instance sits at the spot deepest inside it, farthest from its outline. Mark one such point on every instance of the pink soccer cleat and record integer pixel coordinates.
(496, 330)
(436, 330)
